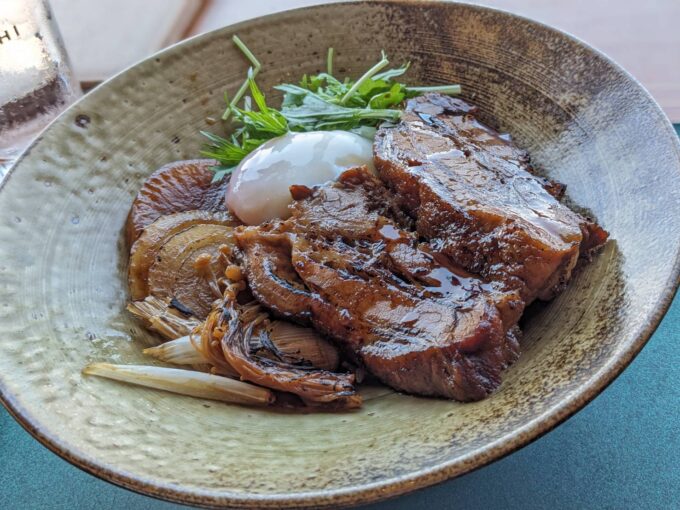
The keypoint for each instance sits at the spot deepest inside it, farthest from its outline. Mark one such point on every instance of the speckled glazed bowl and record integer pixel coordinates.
(62, 287)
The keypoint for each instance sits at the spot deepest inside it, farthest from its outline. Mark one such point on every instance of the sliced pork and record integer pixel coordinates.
(346, 263)
(473, 195)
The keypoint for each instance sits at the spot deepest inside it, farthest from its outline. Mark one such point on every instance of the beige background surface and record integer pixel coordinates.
(106, 36)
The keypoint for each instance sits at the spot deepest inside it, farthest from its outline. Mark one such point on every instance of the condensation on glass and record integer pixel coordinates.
(36, 82)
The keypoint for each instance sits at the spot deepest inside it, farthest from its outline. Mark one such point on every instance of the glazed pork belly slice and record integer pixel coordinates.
(473, 195)
(357, 276)
(452, 347)
(359, 208)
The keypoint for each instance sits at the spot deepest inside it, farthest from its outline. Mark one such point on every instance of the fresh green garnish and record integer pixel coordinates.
(255, 69)
(319, 102)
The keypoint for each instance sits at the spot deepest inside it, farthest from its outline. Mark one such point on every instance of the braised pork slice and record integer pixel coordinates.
(346, 262)
(473, 195)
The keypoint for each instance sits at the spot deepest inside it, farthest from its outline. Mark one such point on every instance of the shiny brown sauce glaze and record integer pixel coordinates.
(347, 262)
(473, 194)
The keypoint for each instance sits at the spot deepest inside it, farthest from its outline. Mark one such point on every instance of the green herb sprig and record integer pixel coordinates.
(319, 102)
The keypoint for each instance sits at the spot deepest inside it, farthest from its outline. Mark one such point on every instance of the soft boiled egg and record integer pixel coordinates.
(259, 186)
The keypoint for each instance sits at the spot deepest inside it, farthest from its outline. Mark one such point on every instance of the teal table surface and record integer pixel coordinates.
(621, 451)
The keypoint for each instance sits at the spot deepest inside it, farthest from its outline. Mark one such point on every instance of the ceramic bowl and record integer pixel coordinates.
(586, 122)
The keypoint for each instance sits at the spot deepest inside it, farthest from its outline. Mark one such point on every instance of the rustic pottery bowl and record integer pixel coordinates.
(62, 287)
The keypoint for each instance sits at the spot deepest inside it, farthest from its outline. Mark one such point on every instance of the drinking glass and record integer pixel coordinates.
(36, 82)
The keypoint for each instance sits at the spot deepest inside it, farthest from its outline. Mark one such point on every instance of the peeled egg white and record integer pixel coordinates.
(259, 186)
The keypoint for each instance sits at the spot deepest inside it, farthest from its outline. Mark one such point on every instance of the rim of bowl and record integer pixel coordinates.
(375, 491)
